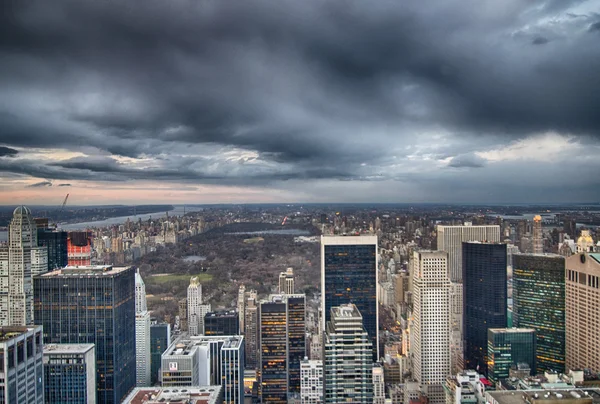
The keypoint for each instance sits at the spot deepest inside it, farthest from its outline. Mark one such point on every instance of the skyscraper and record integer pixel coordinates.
(21, 365)
(538, 237)
(18, 288)
(484, 298)
(222, 323)
(241, 305)
(349, 275)
(79, 248)
(430, 332)
(311, 377)
(142, 334)
(539, 303)
(39, 260)
(582, 295)
(508, 347)
(286, 281)
(56, 243)
(450, 239)
(160, 339)
(251, 330)
(93, 305)
(196, 310)
(348, 358)
(232, 370)
(70, 373)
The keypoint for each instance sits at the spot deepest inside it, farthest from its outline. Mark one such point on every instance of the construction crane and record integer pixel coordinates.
(61, 209)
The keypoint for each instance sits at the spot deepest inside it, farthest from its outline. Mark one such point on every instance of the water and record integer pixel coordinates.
(194, 258)
(283, 232)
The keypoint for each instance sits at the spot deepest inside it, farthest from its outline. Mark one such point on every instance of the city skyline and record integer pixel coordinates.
(194, 102)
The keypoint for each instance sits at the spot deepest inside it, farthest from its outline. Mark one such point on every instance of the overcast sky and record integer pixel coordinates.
(197, 101)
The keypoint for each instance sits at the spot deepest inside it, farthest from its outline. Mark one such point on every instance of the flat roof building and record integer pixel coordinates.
(187, 395)
(70, 373)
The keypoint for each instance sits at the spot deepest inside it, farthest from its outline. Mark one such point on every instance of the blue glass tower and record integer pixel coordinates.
(160, 339)
(349, 275)
(56, 242)
(92, 305)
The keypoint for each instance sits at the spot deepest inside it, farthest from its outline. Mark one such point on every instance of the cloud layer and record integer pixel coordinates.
(302, 95)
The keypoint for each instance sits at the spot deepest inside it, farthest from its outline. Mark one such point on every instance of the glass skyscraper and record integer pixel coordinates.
(160, 339)
(508, 347)
(539, 303)
(93, 305)
(222, 323)
(349, 275)
(56, 243)
(484, 298)
(273, 361)
(70, 373)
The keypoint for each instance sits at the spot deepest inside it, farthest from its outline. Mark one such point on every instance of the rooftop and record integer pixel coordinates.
(58, 349)
(346, 311)
(10, 332)
(233, 342)
(223, 313)
(184, 395)
(591, 396)
(509, 330)
(91, 270)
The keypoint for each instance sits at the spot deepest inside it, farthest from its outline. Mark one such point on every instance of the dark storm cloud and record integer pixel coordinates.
(319, 89)
(595, 27)
(40, 184)
(64, 185)
(7, 152)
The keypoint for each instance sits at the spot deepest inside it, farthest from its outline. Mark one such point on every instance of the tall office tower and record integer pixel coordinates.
(142, 334)
(56, 243)
(160, 339)
(539, 303)
(430, 332)
(3, 284)
(311, 385)
(456, 327)
(93, 305)
(241, 305)
(70, 373)
(538, 236)
(348, 358)
(183, 314)
(508, 347)
(582, 327)
(280, 355)
(251, 331)
(286, 281)
(232, 370)
(17, 284)
(349, 275)
(222, 323)
(450, 239)
(39, 261)
(196, 310)
(378, 385)
(79, 248)
(484, 298)
(21, 365)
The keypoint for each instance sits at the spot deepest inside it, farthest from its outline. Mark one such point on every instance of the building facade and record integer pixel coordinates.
(349, 275)
(311, 381)
(509, 347)
(56, 243)
(347, 358)
(70, 373)
(430, 332)
(142, 334)
(539, 303)
(21, 365)
(484, 298)
(196, 309)
(582, 324)
(286, 282)
(222, 323)
(93, 305)
(232, 370)
(251, 330)
(538, 236)
(273, 358)
(160, 339)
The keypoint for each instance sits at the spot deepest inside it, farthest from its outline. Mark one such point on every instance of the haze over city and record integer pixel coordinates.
(262, 101)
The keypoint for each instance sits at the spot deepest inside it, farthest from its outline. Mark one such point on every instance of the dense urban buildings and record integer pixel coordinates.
(347, 359)
(55, 242)
(70, 373)
(21, 365)
(484, 298)
(508, 347)
(582, 325)
(196, 309)
(286, 282)
(539, 303)
(93, 305)
(349, 275)
(430, 331)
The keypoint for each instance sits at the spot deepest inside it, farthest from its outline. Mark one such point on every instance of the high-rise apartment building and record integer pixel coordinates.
(21, 366)
(160, 339)
(196, 309)
(232, 370)
(140, 293)
(347, 358)
(450, 239)
(39, 260)
(430, 332)
(55, 242)
(539, 303)
(582, 317)
(79, 248)
(349, 275)
(251, 330)
(241, 306)
(538, 237)
(286, 282)
(509, 347)
(222, 323)
(311, 381)
(142, 334)
(70, 373)
(93, 305)
(378, 385)
(484, 298)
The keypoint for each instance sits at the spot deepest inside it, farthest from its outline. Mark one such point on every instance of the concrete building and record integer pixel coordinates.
(93, 305)
(286, 282)
(378, 385)
(180, 365)
(430, 332)
(542, 396)
(349, 275)
(69, 373)
(508, 347)
(21, 365)
(190, 395)
(538, 236)
(582, 292)
(251, 330)
(39, 260)
(311, 381)
(196, 309)
(465, 388)
(348, 360)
